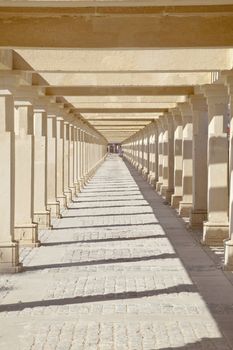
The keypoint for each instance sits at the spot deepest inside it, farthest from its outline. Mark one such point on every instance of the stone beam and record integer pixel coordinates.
(121, 60)
(122, 78)
(118, 90)
(119, 124)
(138, 27)
(121, 110)
(120, 120)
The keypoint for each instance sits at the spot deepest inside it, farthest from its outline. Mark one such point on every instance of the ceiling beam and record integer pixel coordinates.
(119, 90)
(121, 110)
(138, 27)
(122, 61)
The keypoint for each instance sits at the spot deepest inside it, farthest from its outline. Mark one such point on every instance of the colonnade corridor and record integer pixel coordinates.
(119, 271)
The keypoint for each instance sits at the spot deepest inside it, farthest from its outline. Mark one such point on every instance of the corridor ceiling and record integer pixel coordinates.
(117, 64)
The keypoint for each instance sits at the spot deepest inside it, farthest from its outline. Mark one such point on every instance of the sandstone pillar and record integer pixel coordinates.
(76, 156)
(9, 249)
(160, 155)
(82, 156)
(61, 198)
(228, 243)
(200, 136)
(178, 158)
(164, 177)
(216, 228)
(151, 139)
(52, 203)
(170, 157)
(79, 159)
(140, 161)
(185, 205)
(72, 160)
(26, 231)
(67, 190)
(41, 214)
(145, 168)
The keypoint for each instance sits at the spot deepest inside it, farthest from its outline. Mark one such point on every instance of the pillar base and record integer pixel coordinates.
(73, 191)
(9, 258)
(63, 202)
(77, 187)
(158, 186)
(168, 195)
(43, 220)
(185, 209)
(81, 182)
(163, 190)
(27, 235)
(68, 195)
(175, 201)
(86, 178)
(214, 233)
(228, 255)
(54, 208)
(151, 179)
(140, 169)
(197, 217)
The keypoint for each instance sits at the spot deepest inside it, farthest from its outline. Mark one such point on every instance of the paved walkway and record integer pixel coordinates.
(118, 272)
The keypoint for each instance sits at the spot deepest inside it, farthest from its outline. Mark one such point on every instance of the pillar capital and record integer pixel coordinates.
(216, 91)
(198, 102)
(185, 109)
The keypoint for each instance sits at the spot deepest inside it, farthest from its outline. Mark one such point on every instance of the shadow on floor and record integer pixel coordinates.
(105, 226)
(101, 215)
(102, 262)
(98, 298)
(102, 240)
(110, 206)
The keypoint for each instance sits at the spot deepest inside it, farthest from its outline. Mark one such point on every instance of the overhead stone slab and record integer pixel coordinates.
(121, 110)
(104, 3)
(121, 91)
(123, 116)
(122, 27)
(124, 99)
(123, 79)
(121, 60)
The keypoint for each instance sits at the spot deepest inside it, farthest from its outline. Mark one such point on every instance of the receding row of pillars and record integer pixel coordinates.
(46, 156)
(187, 155)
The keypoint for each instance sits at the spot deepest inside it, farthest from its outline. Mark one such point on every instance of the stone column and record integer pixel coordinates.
(216, 228)
(79, 158)
(160, 155)
(164, 177)
(178, 158)
(26, 231)
(140, 151)
(155, 151)
(151, 141)
(82, 156)
(170, 156)
(76, 156)
(85, 155)
(61, 198)
(200, 136)
(71, 161)
(9, 249)
(67, 190)
(41, 213)
(145, 168)
(185, 204)
(228, 243)
(136, 151)
(52, 203)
